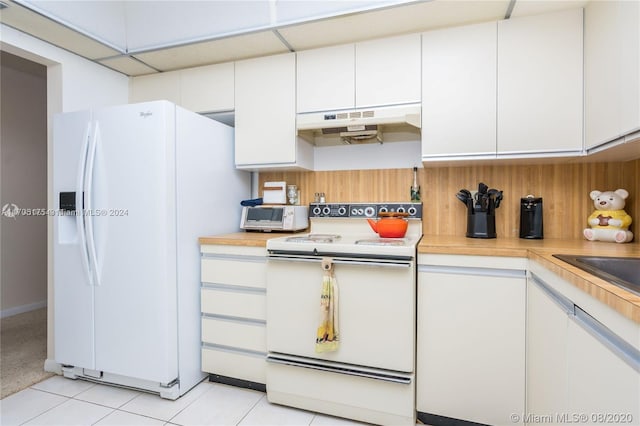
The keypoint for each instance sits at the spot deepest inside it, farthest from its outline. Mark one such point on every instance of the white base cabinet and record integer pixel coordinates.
(471, 338)
(234, 307)
(583, 358)
(547, 329)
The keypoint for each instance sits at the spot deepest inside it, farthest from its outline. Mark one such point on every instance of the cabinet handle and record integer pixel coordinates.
(564, 303)
(462, 270)
(621, 348)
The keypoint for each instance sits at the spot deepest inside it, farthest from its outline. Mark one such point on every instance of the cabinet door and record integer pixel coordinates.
(207, 89)
(388, 71)
(326, 78)
(547, 324)
(265, 111)
(155, 87)
(459, 91)
(612, 70)
(540, 83)
(471, 344)
(601, 384)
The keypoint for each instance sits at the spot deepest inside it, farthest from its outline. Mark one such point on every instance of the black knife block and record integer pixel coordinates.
(481, 224)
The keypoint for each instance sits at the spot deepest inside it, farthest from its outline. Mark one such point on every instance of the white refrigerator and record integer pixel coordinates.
(134, 188)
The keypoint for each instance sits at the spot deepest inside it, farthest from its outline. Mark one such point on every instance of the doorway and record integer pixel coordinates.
(23, 226)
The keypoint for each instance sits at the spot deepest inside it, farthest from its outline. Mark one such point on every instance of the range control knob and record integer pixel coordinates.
(383, 210)
(400, 209)
(342, 210)
(326, 210)
(354, 211)
(412, 211)
(369, 211)
(316, 211)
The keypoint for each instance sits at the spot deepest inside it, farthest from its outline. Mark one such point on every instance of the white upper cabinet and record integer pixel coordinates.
(326, 78)
(459, 92)
(612, 70)
(265, 97)
(200, 89)
(372, 73)
(388, 71)
(540, 84)
(155, 87)
(208, 89)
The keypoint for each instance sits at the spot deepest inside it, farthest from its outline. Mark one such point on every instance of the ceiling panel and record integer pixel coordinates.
(127, 65)
(100, 19)
(38, 26)
(399, 20)
(216, 51)
(168, 23)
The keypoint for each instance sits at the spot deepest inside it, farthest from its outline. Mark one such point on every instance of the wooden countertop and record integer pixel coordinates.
(541, 251)
(248, 239)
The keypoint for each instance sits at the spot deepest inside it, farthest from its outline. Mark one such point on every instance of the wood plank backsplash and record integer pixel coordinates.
(564, 187)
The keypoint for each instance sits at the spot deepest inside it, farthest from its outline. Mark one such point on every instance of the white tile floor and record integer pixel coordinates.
(64, 402)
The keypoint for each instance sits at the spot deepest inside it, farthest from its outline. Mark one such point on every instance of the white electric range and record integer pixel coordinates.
(371, 376)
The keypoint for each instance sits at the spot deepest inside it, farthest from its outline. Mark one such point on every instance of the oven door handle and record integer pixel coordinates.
(383, 375)
(360, 262)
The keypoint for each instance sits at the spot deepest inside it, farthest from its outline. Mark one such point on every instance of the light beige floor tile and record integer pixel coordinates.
(122, 418)
(151, 405)
(63, 386)
(220, 405)
(265, 413)
(71, 413)
(109, 396)
(26, 405)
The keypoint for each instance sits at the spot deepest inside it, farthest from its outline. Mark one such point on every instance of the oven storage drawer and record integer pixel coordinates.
(376, 309)
(232, 363)
(241, 334)
(234, 302)
(360, 398)
(245, 271)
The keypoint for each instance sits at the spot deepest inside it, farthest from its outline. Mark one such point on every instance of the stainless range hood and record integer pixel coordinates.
(362, 125)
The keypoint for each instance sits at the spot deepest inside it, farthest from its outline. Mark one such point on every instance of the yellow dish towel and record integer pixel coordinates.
(327, 338)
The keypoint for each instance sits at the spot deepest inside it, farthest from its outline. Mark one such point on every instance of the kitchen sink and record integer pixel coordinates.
(621, 271)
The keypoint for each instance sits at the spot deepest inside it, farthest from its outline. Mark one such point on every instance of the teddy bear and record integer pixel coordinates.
(609, 222)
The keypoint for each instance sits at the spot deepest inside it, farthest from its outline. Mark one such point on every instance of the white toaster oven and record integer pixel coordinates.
(274, 218)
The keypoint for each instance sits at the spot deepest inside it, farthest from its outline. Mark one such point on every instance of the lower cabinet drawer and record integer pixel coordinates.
(239, 365)
(244, 335)
(234, 272)
(234, 303)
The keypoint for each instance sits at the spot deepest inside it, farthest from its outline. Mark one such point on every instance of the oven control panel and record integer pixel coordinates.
(363, 210)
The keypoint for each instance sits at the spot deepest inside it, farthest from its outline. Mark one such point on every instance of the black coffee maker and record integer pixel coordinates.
(531, 218)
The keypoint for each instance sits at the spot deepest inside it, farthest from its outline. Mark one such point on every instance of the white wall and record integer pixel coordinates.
(73, 83)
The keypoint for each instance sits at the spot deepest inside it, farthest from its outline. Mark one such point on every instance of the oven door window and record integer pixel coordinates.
(376, 312)
(265, 214)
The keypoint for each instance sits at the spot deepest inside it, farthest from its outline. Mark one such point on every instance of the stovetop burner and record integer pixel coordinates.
(314, 238)
(383, 242)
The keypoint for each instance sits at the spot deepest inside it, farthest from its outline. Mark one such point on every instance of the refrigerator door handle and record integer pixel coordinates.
(80, 213)
(88, 218)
